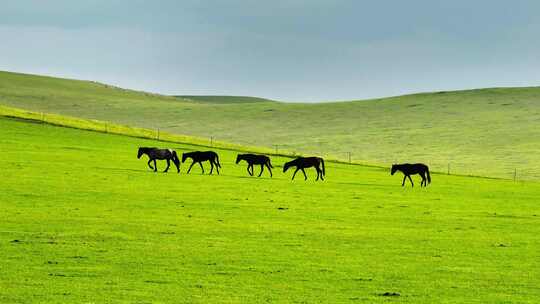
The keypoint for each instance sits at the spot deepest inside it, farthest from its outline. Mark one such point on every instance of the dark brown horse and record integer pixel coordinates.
(200, 156)
(306, 162)
(409, 169)
(254, 159)
(156, 153)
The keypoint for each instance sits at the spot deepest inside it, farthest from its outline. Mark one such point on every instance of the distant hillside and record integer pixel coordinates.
(223, 99)
(489, 132)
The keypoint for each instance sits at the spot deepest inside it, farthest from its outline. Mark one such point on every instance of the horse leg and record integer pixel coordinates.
(200, 163)
(412, 184)
(305, 176)
(404, 178)
(270, 170)
(424, 182)
(295, 173)
(168, 165)
(150, 165)
(319, 173)
(155, 165)
(217, 166)
(249, 173)
(211, 166)
(262, 168)
(190, 167)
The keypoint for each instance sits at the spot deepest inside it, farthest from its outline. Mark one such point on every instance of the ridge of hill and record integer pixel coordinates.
(223, 99)
(487, 132)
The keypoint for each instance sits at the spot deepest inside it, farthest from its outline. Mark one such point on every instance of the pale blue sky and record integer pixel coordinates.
(296, 50)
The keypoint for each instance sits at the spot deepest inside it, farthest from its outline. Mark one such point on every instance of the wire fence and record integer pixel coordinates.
(507, 171)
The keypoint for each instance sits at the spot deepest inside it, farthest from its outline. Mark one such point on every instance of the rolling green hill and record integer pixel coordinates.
(223, 99)
(85, 221)
(488, 132)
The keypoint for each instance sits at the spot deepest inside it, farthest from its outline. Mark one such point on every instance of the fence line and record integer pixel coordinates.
(452, 168)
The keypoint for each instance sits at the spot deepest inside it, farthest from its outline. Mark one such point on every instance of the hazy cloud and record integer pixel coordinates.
(293, 50)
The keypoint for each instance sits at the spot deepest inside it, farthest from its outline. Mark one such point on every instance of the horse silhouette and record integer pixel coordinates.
(200, 156)
(409, 169)
(156, 153)
(254, 159)
(306, 162)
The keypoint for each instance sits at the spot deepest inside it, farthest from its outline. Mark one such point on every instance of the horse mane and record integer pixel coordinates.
(143, 150)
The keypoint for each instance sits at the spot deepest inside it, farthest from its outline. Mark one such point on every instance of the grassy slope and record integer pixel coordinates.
(217, 99)
(84, 221)
(481, 132)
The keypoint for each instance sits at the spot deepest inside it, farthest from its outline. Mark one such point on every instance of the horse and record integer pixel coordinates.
(200, 156)
(306, 162)
(409, 169)
(156, 153)
(254, 159)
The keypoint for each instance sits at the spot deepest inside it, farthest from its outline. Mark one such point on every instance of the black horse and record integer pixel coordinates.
(409, 169)
(200, 156)
(305, 162)
(156, 153)
(254, 159)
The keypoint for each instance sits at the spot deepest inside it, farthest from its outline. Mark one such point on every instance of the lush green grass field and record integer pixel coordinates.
(489, 132)
(216, 99)
(84, 221)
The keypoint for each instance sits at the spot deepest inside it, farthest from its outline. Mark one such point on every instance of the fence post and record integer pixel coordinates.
(448, 172)
(211, 141)
(349, 153)
(157, 134)
(42, 117)
(276, 147)
(515, 174)
(106, 127)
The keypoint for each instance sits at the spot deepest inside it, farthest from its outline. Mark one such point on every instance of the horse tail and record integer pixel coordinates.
(322, 163)
(217, 161)
(428, 176)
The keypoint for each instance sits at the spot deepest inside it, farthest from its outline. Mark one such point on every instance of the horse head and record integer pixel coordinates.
(184, 157)
(140, 152)
(394, 169)
(286, 166)
(238, 158)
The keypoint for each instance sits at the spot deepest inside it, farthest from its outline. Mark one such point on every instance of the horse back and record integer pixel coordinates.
(258, 159)
(421, 166)
(307, 162)
(204, 155)
(415, 168)
(210, 154)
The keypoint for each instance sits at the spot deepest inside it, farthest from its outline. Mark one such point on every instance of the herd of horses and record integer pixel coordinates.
(300, 163)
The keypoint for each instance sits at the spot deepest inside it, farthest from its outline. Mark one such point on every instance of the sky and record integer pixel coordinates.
(294, 50)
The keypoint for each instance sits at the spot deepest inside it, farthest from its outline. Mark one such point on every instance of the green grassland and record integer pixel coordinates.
(487, 132)
(217, 99)
(85, 221)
